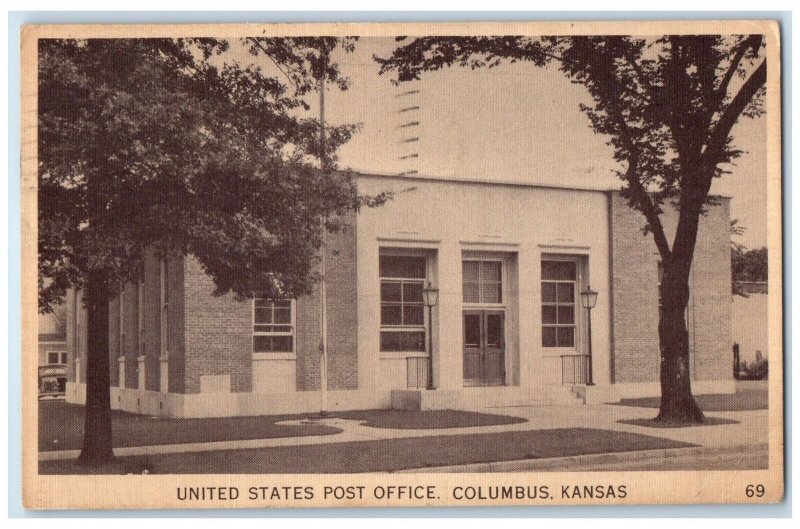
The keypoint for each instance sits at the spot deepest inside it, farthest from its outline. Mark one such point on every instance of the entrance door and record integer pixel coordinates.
(484, 348)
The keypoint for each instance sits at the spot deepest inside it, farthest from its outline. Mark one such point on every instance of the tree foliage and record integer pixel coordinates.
(746, 265)
(749, 265)
(171, 144)
(667, 107)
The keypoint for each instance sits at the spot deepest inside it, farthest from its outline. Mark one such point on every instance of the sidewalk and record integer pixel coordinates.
(750, 431)
(739, 457)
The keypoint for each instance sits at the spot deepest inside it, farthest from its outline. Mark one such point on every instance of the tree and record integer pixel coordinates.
(748, 265)
(667, 107)
(168, 144)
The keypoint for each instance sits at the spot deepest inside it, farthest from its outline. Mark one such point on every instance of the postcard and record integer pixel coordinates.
(367, 265)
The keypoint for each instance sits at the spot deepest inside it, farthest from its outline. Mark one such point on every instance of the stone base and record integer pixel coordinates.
(200, 405)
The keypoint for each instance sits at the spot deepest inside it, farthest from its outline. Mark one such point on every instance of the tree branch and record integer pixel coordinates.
(722, 129)
(648, 208)
(752, 41)
(648, 88)
(638, 191)
(269, 56)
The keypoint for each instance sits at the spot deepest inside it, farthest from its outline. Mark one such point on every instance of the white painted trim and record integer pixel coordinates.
(489, 246)
(407, 243)
(259, 357)
(292, 324)
(402, 355)
(566, 248)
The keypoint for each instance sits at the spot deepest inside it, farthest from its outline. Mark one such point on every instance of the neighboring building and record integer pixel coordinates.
(749, 320)
(509, 261)
(53, 352)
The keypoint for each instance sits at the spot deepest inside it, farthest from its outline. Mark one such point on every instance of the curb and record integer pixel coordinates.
(563, 463)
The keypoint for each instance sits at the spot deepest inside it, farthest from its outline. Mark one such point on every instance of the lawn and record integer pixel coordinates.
(382, 455)
(426, 420)
(61, 428)
(748, 400)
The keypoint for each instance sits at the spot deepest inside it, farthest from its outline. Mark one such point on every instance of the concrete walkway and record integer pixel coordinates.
(751, 430)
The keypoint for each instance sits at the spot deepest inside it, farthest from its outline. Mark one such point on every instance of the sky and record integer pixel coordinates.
(514, 122)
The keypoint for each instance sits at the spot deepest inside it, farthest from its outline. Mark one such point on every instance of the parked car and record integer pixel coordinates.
(52, 381)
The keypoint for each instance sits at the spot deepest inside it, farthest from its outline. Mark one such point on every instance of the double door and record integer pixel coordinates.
(484, 348)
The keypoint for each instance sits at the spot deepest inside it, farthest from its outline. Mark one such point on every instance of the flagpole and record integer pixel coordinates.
(323, 370)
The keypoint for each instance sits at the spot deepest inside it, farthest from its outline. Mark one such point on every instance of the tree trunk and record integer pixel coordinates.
(97, 447)
(677, 402)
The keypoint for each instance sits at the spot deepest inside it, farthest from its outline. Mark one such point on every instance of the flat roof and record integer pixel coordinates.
(483, 181)
(479, 181)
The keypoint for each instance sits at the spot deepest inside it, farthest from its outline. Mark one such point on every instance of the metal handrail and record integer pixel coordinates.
(574, 368)
(416, 372)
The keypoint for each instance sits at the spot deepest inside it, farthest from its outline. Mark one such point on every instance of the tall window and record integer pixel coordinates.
(482, 281)
(559, 279)
(402, 309)
(273, 326)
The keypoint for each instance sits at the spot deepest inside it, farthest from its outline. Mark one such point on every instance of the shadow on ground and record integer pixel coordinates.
(740, 401)
(427, 420)
(384, 455)
(61, 428)
(652, 423)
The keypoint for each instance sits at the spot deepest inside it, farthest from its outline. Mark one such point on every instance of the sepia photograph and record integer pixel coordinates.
(402, 264)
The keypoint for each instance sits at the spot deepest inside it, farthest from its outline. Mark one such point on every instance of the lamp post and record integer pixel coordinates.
(430, 296)
(588, 300)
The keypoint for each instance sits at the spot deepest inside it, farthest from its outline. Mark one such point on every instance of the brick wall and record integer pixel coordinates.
(635, 261)
(342, 318)
(307, 341)
(218, 332)
(150, 334)
(176, 280)
(212, 335)
(342, 307)
(710, 311)
(151, 322)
